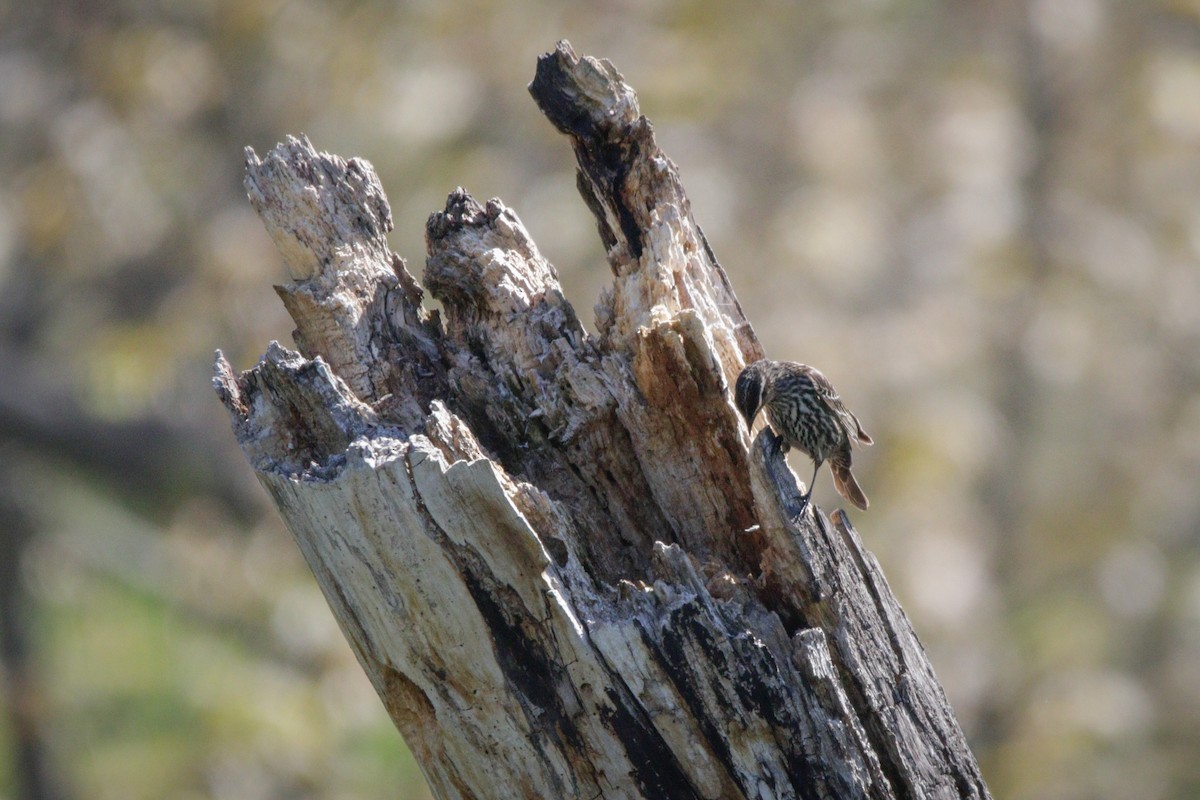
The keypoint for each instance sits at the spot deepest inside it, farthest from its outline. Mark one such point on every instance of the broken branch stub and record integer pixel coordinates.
(560, 559)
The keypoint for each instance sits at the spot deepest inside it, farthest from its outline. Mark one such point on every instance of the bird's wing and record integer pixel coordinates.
(825, 390)
(858, 431)
(829, 396)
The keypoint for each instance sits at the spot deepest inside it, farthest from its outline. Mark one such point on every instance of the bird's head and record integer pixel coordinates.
(748, 391)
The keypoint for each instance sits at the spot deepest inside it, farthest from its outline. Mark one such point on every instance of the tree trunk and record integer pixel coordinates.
(560, 558)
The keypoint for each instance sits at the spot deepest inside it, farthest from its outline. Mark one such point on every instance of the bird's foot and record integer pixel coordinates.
(805, 505)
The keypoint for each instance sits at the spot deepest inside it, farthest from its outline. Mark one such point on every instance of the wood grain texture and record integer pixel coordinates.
(561, 560)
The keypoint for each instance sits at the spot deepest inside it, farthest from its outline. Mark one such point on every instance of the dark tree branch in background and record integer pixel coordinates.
(33, 771)
(561, 560)
(147, 460)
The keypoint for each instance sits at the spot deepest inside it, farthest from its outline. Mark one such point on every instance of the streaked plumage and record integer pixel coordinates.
(805, 411)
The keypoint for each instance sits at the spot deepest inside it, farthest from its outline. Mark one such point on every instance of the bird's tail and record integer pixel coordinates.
(847, 486)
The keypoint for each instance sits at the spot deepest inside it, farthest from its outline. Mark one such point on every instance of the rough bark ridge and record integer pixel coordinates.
(560, 558)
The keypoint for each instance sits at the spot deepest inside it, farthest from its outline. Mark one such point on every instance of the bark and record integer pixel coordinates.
(561, 559)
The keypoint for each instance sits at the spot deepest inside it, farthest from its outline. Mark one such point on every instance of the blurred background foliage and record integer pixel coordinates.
(981, 219)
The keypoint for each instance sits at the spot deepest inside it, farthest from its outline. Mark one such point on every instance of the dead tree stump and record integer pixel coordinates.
(559, 557)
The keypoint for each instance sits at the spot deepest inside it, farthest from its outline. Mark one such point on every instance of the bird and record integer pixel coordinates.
(805, 411)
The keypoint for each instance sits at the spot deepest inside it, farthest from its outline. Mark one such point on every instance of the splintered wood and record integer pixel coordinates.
(561, 560)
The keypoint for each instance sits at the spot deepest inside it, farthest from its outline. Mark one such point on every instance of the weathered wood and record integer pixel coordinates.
(562, 561)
